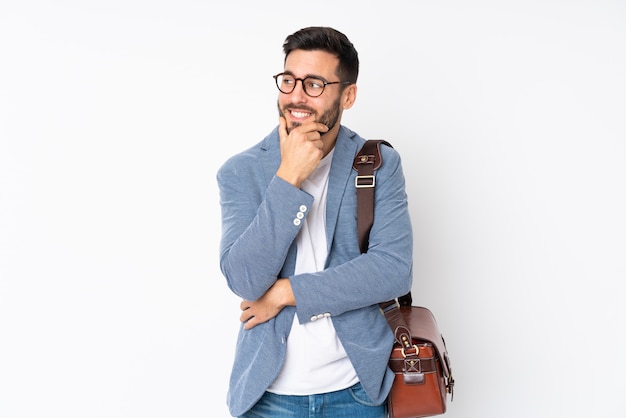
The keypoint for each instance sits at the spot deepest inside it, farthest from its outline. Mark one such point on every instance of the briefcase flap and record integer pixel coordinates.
(423, 326)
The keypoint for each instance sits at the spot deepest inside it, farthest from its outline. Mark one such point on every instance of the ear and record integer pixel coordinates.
(348, 96)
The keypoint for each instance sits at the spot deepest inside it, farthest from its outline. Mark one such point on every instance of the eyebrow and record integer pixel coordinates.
(306, 76)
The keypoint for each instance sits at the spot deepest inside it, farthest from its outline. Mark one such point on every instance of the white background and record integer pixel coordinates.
(114, 117)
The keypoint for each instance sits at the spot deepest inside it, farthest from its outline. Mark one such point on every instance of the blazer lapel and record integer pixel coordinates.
(346, 148)
(270, 159)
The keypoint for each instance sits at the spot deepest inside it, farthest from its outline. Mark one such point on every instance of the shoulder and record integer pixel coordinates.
(252, 156)
(389, 154)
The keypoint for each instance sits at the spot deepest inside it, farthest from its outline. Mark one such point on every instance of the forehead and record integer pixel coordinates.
(302, 63)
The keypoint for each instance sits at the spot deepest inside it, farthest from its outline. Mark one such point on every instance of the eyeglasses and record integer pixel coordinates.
(312, 86)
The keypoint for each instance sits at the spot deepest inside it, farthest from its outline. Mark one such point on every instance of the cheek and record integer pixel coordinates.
(283, 103)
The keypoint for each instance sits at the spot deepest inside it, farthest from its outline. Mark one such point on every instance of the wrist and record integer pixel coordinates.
(287, 297)
(292, 179)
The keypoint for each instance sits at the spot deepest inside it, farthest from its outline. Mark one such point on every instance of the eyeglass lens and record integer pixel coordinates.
(312, 86)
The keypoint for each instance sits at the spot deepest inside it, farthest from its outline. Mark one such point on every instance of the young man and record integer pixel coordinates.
(313, 341)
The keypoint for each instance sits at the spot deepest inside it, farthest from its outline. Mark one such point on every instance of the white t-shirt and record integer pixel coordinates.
(316, 362)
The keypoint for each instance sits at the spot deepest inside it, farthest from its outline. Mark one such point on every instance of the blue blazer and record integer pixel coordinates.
(259, 227)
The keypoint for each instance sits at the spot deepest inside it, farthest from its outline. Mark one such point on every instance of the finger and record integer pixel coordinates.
(246, 311)
(322, 128)
(249, 324)
(248, 320)
(312, 128)
(245, 316)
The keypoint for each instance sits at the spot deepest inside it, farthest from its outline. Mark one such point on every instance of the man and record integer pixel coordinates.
(313, 341)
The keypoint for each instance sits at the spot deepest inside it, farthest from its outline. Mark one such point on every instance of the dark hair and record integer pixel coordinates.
(329, 40)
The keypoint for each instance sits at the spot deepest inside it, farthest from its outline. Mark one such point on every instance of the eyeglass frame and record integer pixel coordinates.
(296, 79)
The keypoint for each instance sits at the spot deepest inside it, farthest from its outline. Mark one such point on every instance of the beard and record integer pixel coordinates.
(328, 118)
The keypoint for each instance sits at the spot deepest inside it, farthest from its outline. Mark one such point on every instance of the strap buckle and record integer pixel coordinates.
(413, 351)
(362, 182)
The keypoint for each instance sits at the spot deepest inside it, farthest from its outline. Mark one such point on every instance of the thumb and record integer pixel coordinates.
(282, 128)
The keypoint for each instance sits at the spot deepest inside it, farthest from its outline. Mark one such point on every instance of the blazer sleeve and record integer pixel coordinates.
(260, 222)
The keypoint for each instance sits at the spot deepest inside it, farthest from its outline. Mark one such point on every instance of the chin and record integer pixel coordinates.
(293, 125)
